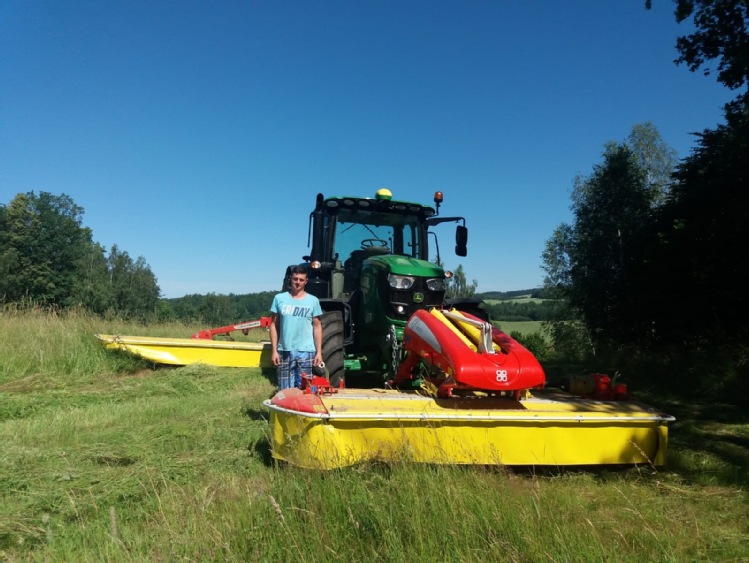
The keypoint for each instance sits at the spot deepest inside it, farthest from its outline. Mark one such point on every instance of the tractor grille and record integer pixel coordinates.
(405, 298)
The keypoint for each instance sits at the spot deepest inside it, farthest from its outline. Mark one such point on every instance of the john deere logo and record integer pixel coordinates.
(418, 297)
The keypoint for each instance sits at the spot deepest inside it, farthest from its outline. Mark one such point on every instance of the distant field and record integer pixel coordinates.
(525, 299)
(523, 327)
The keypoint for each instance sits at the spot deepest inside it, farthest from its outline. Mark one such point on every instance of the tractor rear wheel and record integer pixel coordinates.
(332, 346)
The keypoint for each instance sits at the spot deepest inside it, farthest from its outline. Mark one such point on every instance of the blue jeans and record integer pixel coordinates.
(292, 365)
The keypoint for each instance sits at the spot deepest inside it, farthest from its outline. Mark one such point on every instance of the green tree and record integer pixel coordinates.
(254, 305)
(8, 258)
(457, 286)
(701, 234)
(721, 34)
(217, 310)
(92, 288)
(609, 208)
(704, 238)
(48, 256)
(133, 284)
(596, 263)
(42, 244)
(556, 261)
(655, 158)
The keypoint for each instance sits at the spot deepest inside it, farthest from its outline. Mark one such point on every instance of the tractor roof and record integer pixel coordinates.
(382, 202)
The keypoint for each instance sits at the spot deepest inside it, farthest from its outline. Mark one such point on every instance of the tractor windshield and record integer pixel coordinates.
(386, 233)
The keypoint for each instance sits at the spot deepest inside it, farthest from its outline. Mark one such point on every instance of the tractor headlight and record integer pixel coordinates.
(436, 284)
(400, 282)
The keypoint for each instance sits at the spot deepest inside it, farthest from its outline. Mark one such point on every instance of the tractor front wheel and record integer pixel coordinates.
(332, 346)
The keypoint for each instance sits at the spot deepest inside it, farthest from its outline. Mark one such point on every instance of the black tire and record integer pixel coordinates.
(332, 346)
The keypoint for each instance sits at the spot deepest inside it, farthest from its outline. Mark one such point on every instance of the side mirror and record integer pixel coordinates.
(461, 240)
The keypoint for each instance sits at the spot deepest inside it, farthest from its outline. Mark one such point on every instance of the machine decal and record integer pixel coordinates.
(421, 330)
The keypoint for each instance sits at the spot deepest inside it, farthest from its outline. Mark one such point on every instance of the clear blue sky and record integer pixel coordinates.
(197, 134)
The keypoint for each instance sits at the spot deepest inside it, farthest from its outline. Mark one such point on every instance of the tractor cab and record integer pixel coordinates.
(369, 260)
(347, 231)
(360, 229)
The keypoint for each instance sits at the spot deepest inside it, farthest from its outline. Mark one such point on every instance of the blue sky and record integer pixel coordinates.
(197, 134)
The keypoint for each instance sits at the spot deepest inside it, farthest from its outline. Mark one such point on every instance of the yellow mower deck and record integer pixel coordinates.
(186, 351)
(548, 428)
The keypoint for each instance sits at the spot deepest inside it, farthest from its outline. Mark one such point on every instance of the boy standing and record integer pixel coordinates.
(296, 331)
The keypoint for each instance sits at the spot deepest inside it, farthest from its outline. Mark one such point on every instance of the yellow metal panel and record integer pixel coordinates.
(186, 351)
(401, 427)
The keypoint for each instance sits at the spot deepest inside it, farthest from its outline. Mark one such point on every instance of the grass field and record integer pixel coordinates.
(524, 327)
(518, 300)
(107, 458)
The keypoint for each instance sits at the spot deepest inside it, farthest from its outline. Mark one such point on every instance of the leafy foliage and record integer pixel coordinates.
(654, 265)
(720, 35)
(219, 310)
(701, 232)
(531, 311)
(596, 263)
(48, 257)
(132, 284)
(42, 243)
(703, 240)
(535, 342)
(458, 286)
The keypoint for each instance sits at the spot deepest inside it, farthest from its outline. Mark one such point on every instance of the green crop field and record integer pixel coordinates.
(524, 327)
(518, 300)
(107, 458)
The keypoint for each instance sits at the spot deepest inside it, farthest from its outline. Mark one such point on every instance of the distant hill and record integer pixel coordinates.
(522, 305)
(219, 310)
(537, 293)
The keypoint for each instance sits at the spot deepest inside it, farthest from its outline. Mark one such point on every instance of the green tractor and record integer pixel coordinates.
(369, 266)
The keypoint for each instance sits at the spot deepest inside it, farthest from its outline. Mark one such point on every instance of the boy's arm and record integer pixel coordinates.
(317, 334)
(273, 329)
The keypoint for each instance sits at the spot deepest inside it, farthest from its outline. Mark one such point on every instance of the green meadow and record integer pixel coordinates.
(106, 457)
(524, 327)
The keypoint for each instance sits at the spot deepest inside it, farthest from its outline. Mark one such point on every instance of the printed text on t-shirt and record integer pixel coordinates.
(295, 311)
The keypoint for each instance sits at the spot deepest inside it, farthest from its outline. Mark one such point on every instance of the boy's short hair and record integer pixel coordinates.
(299, 270)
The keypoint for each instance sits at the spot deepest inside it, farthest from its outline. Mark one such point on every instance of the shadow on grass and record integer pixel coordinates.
(709, 458)
(709, 442)
(261, 447)
(598, 473)
(262, 450)
(254, 413)
(684, 409)
(270, 374)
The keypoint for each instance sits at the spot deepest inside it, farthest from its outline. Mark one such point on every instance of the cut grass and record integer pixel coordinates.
(104, 458)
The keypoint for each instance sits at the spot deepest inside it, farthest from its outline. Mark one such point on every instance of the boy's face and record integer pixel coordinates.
(298, 281)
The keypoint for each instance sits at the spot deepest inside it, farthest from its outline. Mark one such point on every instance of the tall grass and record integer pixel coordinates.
(105, 458)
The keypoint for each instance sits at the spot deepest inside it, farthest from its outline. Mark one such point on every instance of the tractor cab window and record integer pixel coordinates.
(395, 237)
(355, 236)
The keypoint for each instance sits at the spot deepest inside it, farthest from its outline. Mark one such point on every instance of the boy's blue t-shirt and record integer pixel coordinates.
(296, 321)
